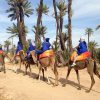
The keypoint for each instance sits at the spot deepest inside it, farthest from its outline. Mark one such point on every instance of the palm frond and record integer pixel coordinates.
(98, 27)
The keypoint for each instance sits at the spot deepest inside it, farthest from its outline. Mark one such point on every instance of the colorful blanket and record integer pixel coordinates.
(83, 56)
(1, 52)
(47, 53)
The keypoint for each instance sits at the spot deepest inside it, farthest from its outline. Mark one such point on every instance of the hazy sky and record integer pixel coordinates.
(86, 13)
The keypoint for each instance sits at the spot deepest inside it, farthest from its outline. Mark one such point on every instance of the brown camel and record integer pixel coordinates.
(48, 62)
(28, 61)
(19, 58)
(2, 60)
(91, 68)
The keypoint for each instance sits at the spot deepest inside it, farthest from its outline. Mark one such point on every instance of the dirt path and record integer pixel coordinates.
(18, 87)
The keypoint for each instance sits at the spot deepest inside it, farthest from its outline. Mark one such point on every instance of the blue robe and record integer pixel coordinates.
(31, 48)
(19, 47)
(82, 48)
(45, 46)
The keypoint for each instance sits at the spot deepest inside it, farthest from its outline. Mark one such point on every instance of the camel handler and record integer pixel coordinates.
(81, 48)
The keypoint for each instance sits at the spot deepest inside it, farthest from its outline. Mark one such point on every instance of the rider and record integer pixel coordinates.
(19, 48)
(81, 48)
(1, 51)
(0, 47)
(31, 50)
(45, 46)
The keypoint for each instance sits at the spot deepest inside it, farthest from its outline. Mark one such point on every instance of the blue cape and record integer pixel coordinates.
(19, 47)
(31, 48)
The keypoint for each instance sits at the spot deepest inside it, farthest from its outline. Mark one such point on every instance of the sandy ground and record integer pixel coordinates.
(15, 86)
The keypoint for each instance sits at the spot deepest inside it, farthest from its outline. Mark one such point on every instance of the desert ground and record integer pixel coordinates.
(15, 86)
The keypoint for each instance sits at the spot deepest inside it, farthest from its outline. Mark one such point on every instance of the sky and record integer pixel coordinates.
(86, 13)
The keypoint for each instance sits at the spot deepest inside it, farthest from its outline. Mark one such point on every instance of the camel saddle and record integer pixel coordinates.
(47, 53)
(80, 57)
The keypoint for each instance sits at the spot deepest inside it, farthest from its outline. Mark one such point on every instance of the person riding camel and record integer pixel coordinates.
(31, 51)
(81, 48)
(19, 48)
(45, 46)
(2, 52)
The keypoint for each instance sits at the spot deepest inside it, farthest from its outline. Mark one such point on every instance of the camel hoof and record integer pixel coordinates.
(64, 85)
(87, 91)
(44, 79)
(30, 75)
(24, 74)
(37, 77)
(54, 85)
(4, 72)
(78, 88)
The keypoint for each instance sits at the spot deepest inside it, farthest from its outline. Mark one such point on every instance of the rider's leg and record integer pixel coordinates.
(75, 58)
(33, 56)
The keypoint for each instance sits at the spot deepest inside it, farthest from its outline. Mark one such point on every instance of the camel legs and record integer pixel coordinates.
(26, 67)
(20, 64)
(43, 74)
(69, 69)
(92, 83)
(54, 68)
(30, 69)
(4, 68)
(78, 78)
(38, 77)
(90, 71)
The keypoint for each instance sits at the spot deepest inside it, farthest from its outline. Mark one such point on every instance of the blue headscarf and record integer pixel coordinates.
(0, 47)
(19, 47)
(47, 39)
(31, 48)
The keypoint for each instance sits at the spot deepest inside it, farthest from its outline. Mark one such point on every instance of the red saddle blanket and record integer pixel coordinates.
(47, 53)
(83, 56)
(1, 52)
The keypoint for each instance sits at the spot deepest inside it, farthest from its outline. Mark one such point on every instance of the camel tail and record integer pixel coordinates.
(96, 70)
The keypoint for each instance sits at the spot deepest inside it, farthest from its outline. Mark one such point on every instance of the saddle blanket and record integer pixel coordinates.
(47, 53)
(82, 56)
(1, 52)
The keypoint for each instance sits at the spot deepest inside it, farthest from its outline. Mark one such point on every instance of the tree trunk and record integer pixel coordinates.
(39, 20)
(58, 26)
(7, 49)
(88, 41)
(70, 24)
(18, 24)
(22, 26)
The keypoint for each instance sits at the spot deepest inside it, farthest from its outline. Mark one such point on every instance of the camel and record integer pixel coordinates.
(91, 68)
(2, 60)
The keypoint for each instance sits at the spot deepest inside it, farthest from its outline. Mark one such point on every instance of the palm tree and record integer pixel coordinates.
(98, 27)
(98, 55)
(41, 9)
(62, 7)
(92, 47)
(13, 30)
(89, 32)
(62, 10)
(7, 44)
(18, 9)
(41, 32)
(70, 24)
